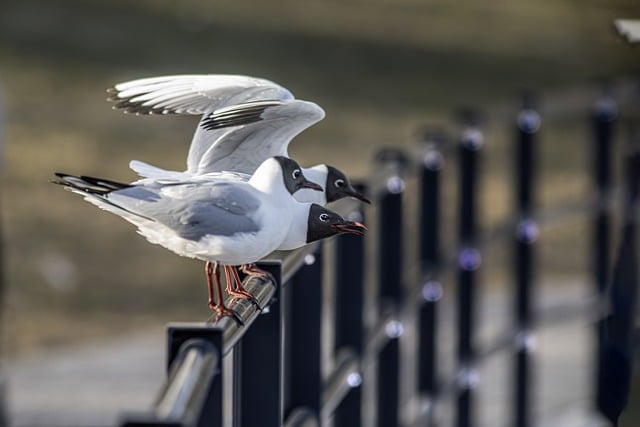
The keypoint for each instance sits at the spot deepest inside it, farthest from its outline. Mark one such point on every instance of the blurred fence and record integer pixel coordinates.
(345, 318)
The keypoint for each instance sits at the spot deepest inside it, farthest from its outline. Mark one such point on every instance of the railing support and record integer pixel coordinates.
(349, 331)
(526, 233)
(303, 301)
(618, 345)
(261, 364)
(468, 262)
(429, 255)
(603, 123)
(390, 257)
(192, 394)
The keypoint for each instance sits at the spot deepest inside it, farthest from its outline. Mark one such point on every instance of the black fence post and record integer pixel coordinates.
(617, 336)
(177, 335)
(603, 123)
(303, 337)
(390, 287)
(429, 257)
(260, 379)
(528, 123)
(469, 259)
(349, 331)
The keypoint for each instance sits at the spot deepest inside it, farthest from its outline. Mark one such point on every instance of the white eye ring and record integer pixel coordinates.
(296, 173)
(339, 183)
(324, 217)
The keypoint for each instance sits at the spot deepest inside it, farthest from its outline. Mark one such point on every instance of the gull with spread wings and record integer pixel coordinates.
(245, 120)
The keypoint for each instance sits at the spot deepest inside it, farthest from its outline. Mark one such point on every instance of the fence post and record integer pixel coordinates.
(528, 123)
(303, 301)
(177, 335)
(390, 287)
(198, 345)
(603, 122)
(617, 341)
(259, 371)
(429, 257)
(468, 262)
(349, 297)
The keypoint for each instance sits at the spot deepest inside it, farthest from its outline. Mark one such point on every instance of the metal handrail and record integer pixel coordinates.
(183, 394)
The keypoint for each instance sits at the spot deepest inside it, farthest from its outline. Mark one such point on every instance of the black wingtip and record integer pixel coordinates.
(241, 114)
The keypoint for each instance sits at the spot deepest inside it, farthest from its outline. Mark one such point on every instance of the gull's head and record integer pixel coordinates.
(323, 223)
(293, 177)
(338, 186)
(280, 171)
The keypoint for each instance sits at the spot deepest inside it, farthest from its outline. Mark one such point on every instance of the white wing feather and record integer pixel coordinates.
(192, 94)
(237, 147)
(244, 147)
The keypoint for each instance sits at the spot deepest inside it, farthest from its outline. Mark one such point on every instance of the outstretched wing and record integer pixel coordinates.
(192, 94)
(245, 119)
(239, 138)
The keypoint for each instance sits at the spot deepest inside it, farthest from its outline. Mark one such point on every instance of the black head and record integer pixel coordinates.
(323, 223)
(338, 186)
(294, 180)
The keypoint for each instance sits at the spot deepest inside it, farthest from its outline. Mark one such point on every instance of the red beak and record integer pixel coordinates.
(351, 227)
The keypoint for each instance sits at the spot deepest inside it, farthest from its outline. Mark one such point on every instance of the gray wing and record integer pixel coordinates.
(193, 210)
(192, 94)
(239, 138)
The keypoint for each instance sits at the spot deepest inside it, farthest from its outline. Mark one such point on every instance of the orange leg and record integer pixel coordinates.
(213, 269)
(231, 274)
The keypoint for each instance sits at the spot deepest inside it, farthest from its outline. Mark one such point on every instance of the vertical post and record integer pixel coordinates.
(528, 123)
(177, 334)
(603, 122)
(390, 286)
(429, 229)
(261, 364)
(618, 340)
(349, 332)
(303, 299)
(468, 262)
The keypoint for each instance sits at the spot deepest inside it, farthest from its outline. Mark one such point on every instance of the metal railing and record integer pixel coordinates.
(325, 346)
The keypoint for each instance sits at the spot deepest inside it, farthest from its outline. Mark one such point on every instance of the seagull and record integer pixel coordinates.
(226, 223)
(245, 120)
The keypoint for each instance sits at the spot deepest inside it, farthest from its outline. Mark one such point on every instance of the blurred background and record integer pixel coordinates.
(381, 69)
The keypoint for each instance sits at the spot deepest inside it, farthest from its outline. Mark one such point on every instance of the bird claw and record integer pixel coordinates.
(246, 295)
(223, 311)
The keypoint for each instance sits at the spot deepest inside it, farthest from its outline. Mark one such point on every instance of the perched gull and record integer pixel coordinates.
(245, 120)
(221, 222)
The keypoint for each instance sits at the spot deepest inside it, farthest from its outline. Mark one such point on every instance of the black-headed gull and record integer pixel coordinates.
(244, 121)
(217, 221)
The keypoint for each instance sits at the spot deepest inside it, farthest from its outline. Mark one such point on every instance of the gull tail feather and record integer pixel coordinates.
(88, 184)
(96, 191)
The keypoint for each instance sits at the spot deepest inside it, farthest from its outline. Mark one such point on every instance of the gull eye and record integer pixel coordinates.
(339, 183)
(296, 173)
(324, 217)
